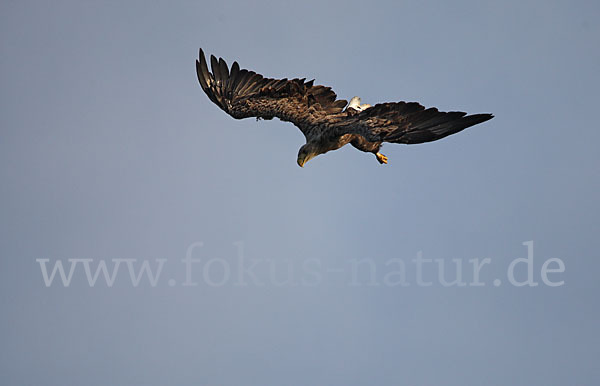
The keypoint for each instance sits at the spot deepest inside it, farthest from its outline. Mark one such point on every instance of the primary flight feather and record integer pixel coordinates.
(326, 122)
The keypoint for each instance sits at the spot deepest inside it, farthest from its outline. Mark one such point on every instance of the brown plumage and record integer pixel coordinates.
(320, 116)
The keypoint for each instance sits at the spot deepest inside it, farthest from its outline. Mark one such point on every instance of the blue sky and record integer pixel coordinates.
(110, 150)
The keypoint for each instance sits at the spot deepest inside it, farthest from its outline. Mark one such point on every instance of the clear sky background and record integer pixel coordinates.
(109, 149)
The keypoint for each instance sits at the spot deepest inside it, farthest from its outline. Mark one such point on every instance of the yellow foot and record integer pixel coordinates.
(381, 158)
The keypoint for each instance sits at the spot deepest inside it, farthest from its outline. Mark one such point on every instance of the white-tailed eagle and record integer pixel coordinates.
(326, 122)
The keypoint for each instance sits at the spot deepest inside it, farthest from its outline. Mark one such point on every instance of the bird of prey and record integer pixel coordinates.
(326, 122)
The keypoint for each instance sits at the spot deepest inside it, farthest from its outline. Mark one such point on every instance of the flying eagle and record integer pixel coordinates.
(326, 122)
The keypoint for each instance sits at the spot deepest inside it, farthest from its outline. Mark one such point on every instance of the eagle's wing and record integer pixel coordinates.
(409, 123)
(242, 93)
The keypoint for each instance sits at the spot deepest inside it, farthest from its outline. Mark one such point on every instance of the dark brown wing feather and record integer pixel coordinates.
(410, 123)
(242, 93)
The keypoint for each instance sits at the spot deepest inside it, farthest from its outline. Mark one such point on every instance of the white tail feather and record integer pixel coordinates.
(354, 103)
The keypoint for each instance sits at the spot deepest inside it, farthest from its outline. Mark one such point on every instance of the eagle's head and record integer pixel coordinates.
(306, 153)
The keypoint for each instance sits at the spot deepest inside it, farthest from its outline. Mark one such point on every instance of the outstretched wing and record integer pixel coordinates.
(242, 93)
(410, 123)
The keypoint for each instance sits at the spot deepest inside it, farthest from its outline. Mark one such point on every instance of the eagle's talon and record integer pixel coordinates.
(381, 158)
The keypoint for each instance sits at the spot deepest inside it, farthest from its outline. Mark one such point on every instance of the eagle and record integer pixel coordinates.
(327, 123)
